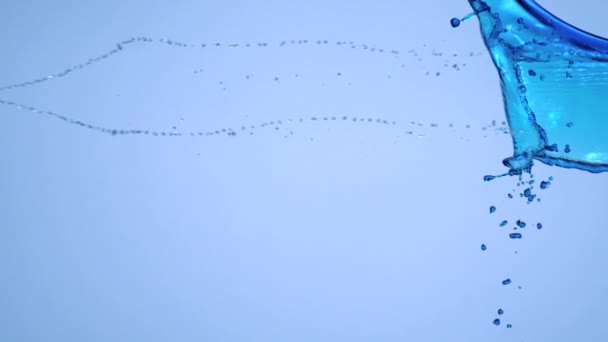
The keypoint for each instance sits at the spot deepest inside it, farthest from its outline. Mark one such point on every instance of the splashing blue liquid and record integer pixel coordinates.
(554, 80)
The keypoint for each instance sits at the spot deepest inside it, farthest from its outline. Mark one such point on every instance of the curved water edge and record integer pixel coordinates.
(554, 82)
(568, 31)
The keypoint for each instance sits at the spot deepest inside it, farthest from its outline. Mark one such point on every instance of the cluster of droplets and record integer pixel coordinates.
(518, 225)
(415, 54)
(497, 322)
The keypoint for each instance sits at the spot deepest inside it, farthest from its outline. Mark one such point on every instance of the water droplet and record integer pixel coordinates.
(515, 235)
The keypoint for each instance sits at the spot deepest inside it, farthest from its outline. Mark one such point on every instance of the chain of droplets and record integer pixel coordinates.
(223, 131)
(276, 125)
(120, 47)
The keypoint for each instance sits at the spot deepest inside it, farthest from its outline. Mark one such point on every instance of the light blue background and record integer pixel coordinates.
(340, 231)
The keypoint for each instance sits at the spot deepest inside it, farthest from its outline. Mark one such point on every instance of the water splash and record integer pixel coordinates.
(554, 78)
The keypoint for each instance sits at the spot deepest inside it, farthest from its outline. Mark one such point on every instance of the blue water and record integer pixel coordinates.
(554, 79)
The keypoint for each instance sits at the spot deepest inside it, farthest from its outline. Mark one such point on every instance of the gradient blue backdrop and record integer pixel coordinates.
(317, 231)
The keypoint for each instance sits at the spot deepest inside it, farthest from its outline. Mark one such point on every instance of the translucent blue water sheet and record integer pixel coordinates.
(554, 80)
